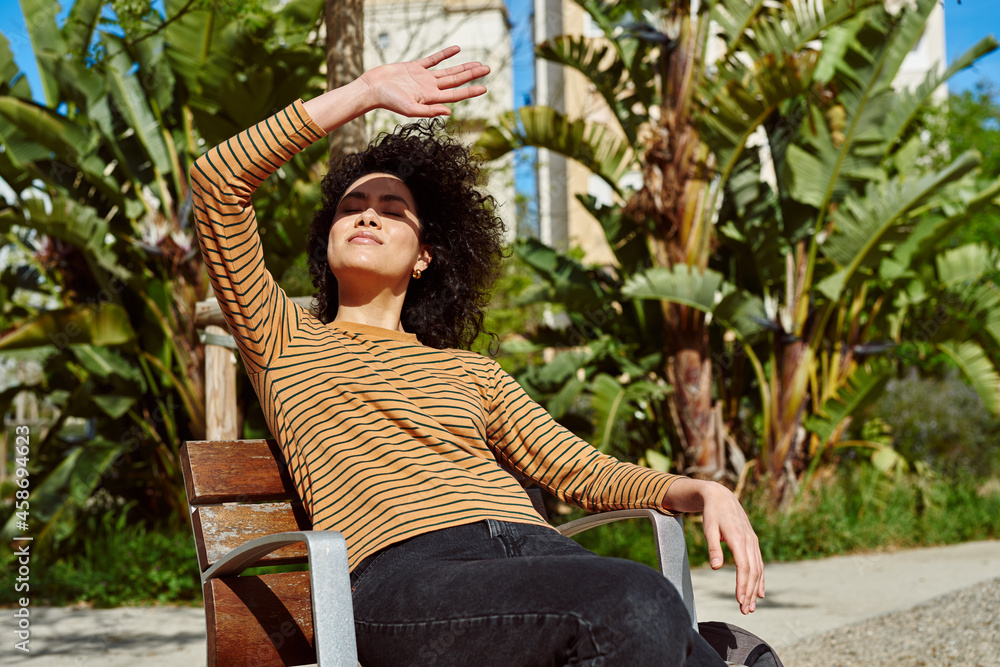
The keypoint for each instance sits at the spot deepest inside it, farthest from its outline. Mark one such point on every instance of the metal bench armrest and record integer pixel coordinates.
(671, 548)
(330, 588)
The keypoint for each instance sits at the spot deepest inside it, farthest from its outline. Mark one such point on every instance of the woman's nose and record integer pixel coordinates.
(368, 218)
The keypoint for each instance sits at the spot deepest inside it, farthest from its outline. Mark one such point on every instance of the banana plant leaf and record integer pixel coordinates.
(867, 229)
(46, 39)
(614, 402)
(862, 387)
(594, 145)
(93, 324)
(909, 102)
(679, 284)
(978, 369)
(566, 281)
(55, 499)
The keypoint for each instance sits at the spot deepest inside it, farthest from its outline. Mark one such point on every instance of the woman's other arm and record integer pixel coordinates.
(529, 440)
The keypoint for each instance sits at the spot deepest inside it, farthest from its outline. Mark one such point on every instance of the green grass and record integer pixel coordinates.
(112, 567)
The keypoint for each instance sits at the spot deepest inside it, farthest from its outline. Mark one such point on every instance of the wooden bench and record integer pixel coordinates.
(245, 513)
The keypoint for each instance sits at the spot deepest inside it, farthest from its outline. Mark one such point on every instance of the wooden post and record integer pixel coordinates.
(221, 419)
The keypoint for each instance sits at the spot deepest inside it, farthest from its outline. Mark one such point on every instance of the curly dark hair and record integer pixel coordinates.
(446, 306)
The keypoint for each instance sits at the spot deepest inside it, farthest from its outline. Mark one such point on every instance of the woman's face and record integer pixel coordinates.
(376, 234)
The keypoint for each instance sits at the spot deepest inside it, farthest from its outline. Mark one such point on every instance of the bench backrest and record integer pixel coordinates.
(239, 490)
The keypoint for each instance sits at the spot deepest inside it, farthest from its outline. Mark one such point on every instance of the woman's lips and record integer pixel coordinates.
(364, 238)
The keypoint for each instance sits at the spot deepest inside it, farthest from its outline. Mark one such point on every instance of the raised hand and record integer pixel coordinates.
(413, 89)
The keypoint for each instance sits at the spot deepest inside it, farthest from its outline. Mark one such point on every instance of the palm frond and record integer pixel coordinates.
(862, 387)
(867, 228)
(602, 66)
(978, 369)
(909, 102)
(594, 145)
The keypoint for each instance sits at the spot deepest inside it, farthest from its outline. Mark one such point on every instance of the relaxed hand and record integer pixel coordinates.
(725, 521)
(413, 89)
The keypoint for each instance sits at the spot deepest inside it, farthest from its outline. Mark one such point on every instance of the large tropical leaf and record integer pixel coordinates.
(862, 387)
(130, 100)
(56, 499)
(862, 56)
(741, 312)
(73, 146)
(743, 97)
(679, 284)
(594, 145)
(567, 281)
(757, 26)
(732, 19)
(614, 402)
(627, 98)
(75, 223)
(909, 102)
(46, 41)
(922, 245)
(978, 369)
(965, 264)
(963, 272)
(624, 234)
(866, 228)
(106, 324)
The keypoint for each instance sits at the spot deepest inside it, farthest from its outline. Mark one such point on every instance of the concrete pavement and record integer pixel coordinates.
(803, 599)
(811, 597)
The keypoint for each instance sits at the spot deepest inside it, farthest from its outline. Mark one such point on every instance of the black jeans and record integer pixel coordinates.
(516, 595)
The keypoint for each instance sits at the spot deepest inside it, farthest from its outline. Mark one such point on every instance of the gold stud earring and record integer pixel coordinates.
(416, 274)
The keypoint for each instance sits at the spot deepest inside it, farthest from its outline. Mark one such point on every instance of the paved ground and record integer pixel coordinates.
(804, 601)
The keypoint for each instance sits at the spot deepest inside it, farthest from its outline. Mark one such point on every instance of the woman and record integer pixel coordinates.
(395, 439)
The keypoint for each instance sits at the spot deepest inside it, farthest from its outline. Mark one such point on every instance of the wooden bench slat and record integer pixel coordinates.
(264, 621)
(236, 471)
(223, 528)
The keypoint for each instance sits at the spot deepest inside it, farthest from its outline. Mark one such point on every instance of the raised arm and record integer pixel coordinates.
(222, 183)
(224, 179)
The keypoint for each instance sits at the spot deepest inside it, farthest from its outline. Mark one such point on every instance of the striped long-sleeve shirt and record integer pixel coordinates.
(385, 438)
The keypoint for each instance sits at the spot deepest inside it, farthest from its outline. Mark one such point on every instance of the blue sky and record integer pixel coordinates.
(964, 25)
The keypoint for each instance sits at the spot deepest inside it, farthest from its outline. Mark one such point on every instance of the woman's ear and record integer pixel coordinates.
(424, 257)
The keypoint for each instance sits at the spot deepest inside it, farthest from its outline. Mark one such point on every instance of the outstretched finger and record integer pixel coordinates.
(462, 78)
(457, 69)
(459, 94)
(428, 111)
(440, 56)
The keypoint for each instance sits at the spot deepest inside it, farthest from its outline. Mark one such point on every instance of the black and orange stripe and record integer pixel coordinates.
(385, 438)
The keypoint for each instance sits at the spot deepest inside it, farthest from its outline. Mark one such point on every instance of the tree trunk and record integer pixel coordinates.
(674, 196)
(345, 43)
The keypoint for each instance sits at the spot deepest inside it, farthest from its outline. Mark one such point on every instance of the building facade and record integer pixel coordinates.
(399, 30)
